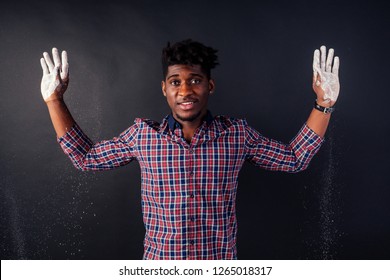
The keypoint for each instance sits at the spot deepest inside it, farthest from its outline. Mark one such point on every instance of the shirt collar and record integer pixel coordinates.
(173, 123)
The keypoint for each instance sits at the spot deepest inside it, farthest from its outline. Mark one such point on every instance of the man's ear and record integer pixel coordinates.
(163, 88)
(211, 86)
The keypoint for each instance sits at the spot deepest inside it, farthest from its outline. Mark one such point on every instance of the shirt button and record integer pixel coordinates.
(192, 173)
(192, 219)
(192, 242)
(192, 195)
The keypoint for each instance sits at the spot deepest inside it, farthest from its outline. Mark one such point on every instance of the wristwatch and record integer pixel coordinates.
(325, 110)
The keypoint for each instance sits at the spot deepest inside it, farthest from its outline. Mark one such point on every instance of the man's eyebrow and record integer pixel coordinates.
(191, 74)
(174, 75)
(197, 75)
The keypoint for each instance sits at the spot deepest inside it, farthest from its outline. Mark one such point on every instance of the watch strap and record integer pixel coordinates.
(325, 110)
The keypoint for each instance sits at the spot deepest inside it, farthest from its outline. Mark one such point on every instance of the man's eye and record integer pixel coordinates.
(195, 81)
(175, 83)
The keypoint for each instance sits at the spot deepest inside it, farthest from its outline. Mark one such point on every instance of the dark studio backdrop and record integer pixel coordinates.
(337, 209)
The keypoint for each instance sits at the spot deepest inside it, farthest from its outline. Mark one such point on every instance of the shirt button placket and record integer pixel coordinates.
(192, 206)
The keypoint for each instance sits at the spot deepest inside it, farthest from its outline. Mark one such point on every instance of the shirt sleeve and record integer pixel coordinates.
(274, 155)
(103, 155)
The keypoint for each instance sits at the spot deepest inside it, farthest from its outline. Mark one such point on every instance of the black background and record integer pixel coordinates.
(338, 209)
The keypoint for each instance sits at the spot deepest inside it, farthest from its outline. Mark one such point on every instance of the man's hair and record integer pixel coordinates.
(189, 52)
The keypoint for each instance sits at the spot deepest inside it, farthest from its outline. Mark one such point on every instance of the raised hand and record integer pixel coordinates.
(55, 77)
(325, 77)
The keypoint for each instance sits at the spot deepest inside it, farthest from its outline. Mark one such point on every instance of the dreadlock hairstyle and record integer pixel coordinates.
(189, 52)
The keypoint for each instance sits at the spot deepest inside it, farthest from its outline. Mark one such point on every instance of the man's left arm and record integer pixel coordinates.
(326, 86)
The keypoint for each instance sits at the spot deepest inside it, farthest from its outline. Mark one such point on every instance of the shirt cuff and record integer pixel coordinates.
(307, 139)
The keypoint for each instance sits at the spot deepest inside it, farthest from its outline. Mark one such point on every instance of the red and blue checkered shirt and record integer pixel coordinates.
(189, 189)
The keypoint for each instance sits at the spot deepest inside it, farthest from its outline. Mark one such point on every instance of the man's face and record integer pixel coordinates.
(187, 90)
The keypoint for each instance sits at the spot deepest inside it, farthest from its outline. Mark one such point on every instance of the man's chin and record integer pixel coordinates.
(188, 118)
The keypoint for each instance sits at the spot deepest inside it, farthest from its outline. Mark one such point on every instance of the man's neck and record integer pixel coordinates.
(189, 129)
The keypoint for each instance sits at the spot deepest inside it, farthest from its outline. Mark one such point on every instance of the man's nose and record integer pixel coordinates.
(185, 89)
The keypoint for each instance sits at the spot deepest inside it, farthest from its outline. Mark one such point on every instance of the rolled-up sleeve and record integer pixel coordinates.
(103, 155)
(274, 155)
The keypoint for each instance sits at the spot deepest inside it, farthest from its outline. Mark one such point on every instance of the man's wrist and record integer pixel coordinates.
(324, 108)
(54, 101)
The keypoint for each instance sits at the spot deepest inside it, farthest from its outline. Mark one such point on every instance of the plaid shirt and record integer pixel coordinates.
(189, 189)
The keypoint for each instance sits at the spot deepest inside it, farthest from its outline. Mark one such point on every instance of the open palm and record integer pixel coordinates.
(326, 76)
(55, 77)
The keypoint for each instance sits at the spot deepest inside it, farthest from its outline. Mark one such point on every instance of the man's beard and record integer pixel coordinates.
(190, 118)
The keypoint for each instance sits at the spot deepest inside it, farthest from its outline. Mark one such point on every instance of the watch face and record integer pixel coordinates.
(328, 110)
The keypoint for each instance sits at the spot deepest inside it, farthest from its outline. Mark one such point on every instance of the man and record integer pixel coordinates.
(191, 160)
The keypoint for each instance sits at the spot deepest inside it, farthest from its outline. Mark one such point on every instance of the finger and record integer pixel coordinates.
(48, 61)
(336, 65)
(44, 66)
(329, 60)
(56, 70)
(316, 62)
(56, 57)
(323, 57)
(65, 66)
(65, 72)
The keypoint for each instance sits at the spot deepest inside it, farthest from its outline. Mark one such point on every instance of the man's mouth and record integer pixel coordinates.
(187, 105)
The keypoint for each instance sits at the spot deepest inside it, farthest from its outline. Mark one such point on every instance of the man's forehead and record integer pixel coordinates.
(183, 69)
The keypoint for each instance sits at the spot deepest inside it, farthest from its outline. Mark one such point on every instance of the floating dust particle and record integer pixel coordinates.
(329, 206)
(17, 237)
(63, 222)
